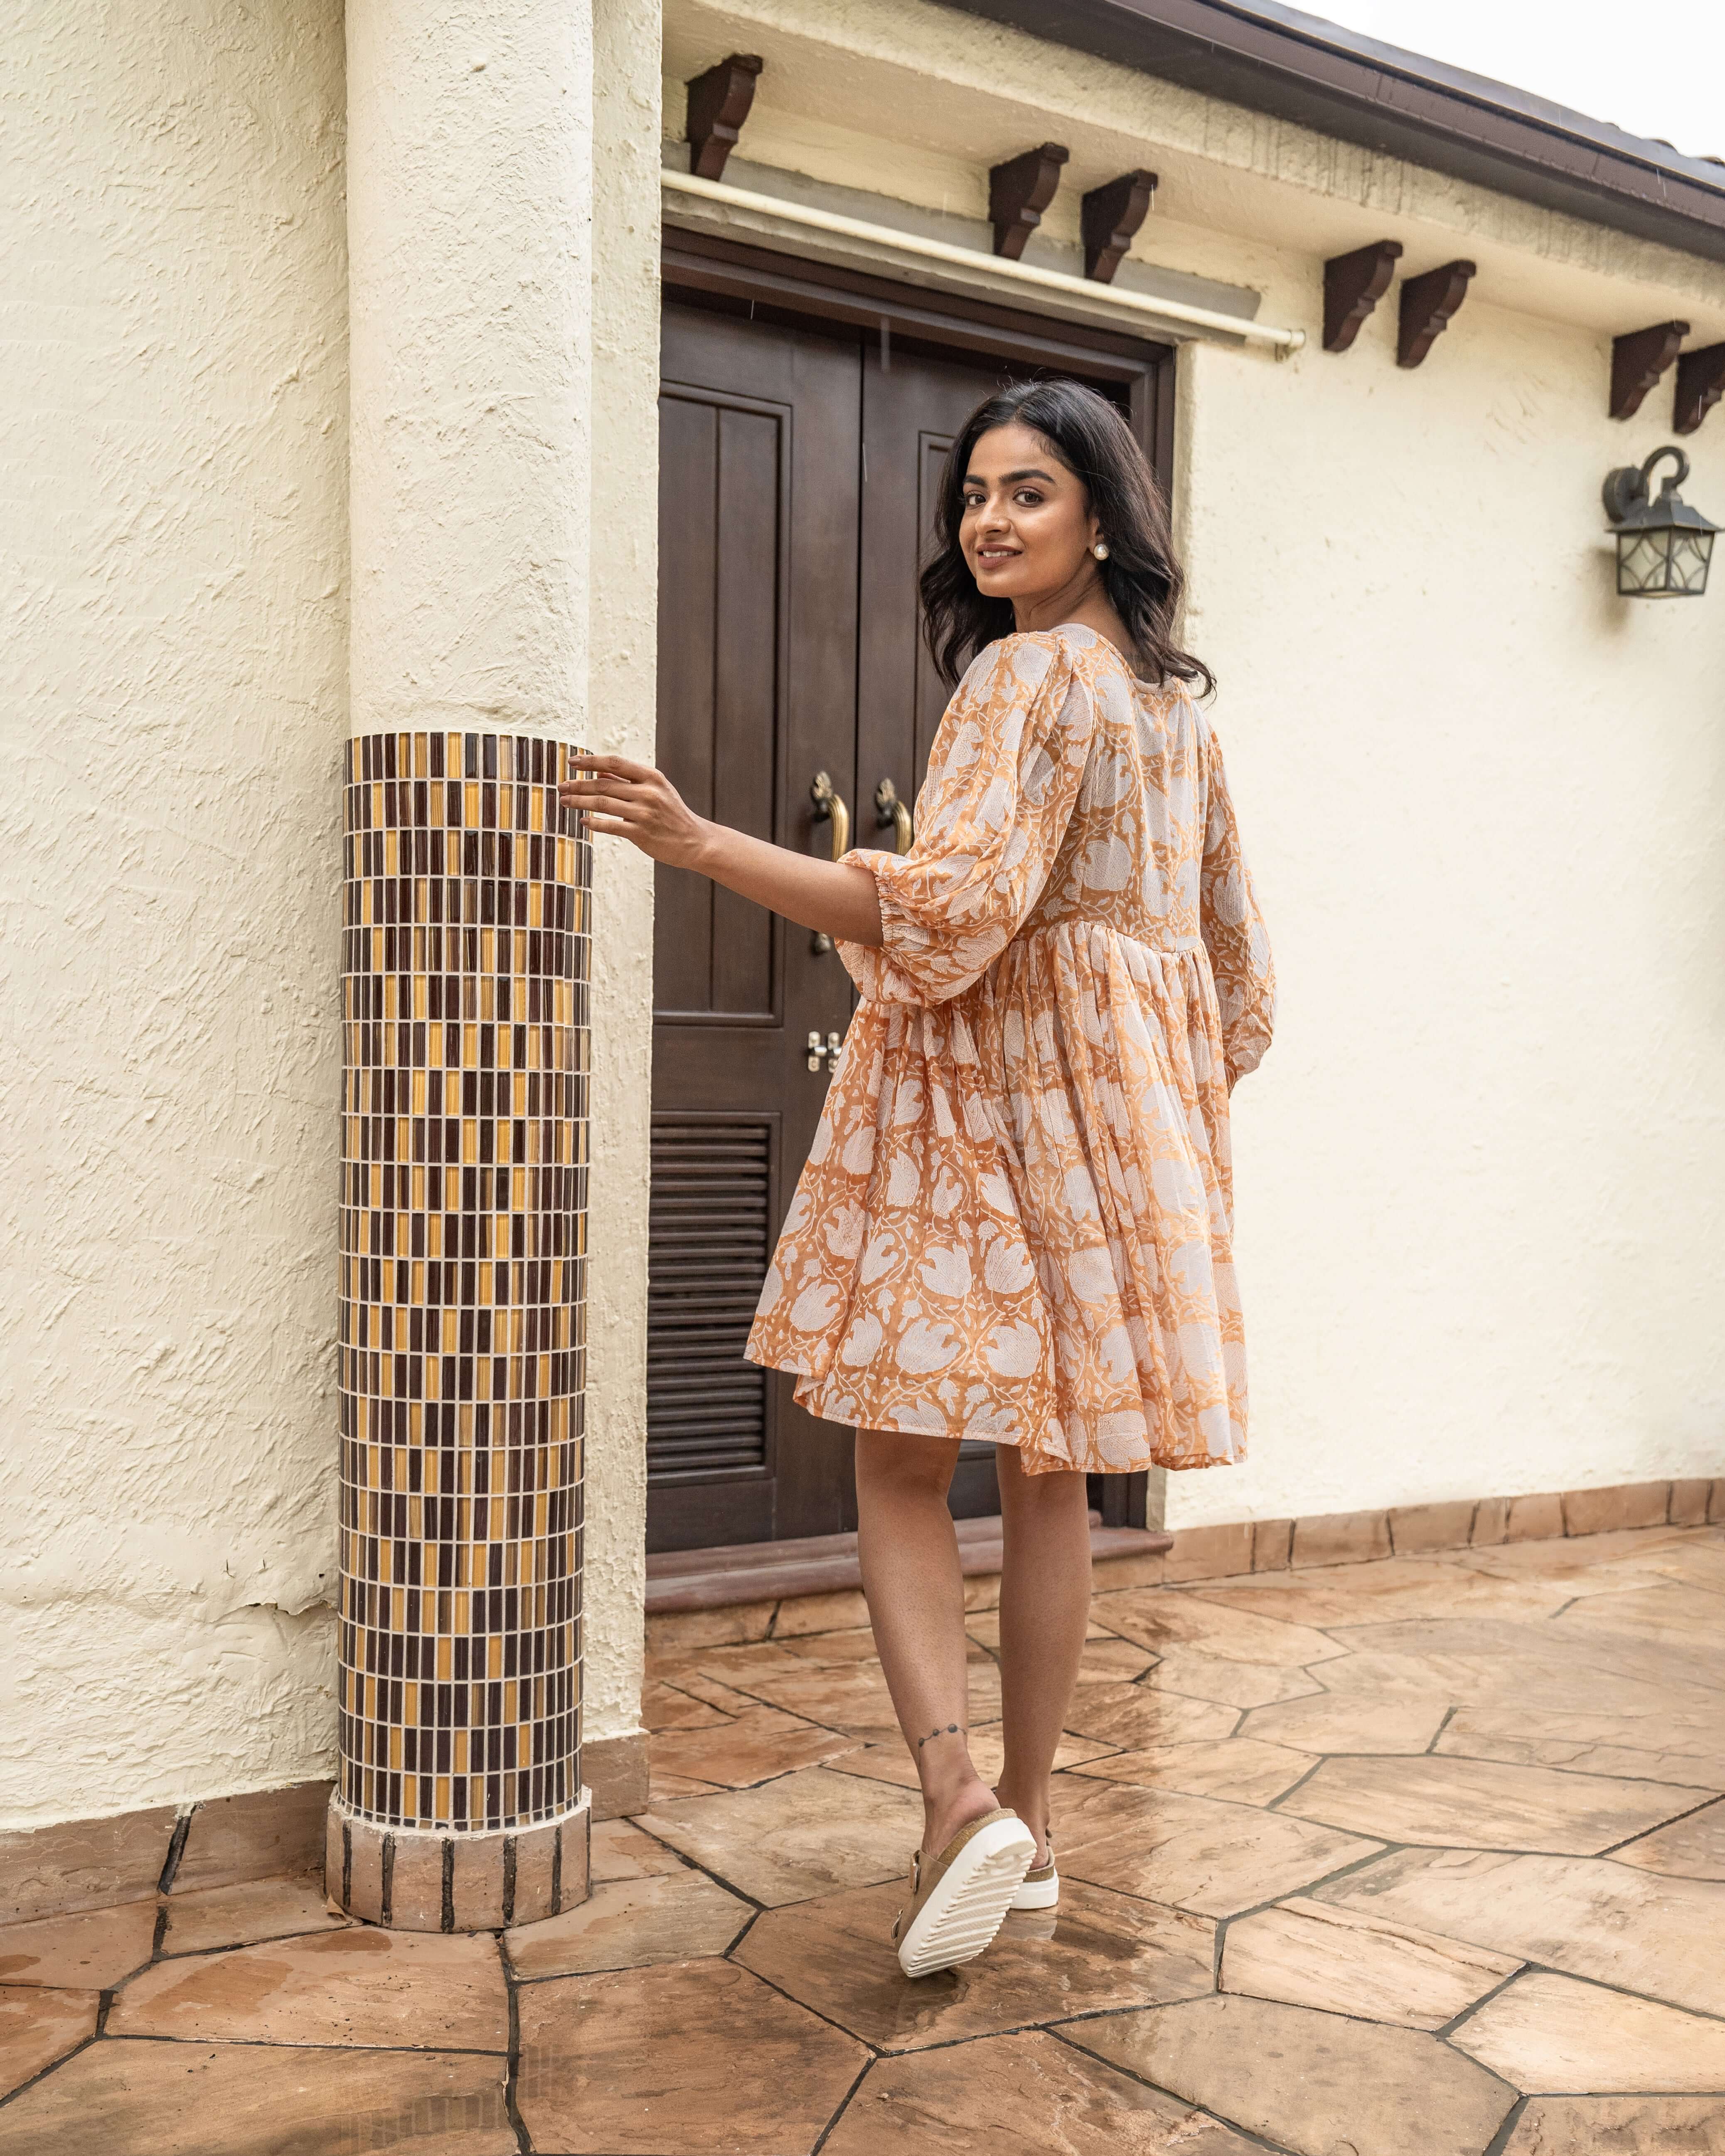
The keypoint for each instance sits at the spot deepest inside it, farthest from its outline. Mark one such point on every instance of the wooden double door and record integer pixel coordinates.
(799, 463)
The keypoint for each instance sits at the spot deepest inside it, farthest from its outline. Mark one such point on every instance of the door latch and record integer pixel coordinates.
(824, 1052)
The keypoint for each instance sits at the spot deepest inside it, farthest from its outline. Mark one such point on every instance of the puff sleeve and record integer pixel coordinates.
(1004, 778)
(1233, 928)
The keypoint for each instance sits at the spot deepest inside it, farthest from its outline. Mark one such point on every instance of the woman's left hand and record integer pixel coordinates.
(633, 801)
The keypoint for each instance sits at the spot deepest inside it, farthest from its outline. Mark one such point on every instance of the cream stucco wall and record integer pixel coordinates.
(173, 682)
(1482, 1177)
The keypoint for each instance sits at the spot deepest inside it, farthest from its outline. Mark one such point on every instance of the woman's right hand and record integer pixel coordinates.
(628, 800)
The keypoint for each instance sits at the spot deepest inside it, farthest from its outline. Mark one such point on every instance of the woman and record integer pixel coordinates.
(1015, 1219)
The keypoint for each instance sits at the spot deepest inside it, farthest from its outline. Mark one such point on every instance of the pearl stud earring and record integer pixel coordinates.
(1101, 550)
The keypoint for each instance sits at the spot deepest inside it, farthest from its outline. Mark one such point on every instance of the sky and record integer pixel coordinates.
(1657, 68)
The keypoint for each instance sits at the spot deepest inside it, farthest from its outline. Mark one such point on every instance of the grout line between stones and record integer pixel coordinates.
(175, 1850)
(862, 2075)
(1512, 2119)
(523, 2139)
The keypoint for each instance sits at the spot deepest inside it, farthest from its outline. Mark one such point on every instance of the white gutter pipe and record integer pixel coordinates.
(1109, 297)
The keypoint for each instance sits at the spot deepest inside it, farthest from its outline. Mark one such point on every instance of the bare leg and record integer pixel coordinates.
(916, 1594)
(1045, 1609)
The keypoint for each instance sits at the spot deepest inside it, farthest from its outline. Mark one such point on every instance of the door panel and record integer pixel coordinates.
(798, 477)
(759, 477)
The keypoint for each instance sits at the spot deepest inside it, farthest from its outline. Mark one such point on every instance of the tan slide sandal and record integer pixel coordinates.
(959, 1898)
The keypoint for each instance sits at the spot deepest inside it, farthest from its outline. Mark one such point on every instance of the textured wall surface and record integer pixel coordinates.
(1481, 1175)
(173, 678)
(622, 647)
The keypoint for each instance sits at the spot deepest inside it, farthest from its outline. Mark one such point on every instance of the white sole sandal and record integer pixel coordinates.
(959, 1899)
(1040, 1886)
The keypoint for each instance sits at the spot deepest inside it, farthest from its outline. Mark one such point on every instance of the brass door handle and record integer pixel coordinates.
(890, 809)
(828, 803)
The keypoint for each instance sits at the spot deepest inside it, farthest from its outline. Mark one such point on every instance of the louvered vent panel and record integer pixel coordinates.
(708, 1244)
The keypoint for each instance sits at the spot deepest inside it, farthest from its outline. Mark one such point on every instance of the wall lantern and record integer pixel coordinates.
(1663, 546)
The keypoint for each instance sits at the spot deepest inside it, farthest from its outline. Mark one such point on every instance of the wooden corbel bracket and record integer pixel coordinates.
(1637, 362)
(1353, 285)
(1701, 383)
(719, 102)
(1019, 193)
(1109, 218)
(1428, 306)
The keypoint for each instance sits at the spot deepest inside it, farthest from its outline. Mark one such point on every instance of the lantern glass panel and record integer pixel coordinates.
(1691, 553)
(1642, 563)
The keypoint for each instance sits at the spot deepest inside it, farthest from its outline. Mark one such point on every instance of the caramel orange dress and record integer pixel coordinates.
(1015, 1222)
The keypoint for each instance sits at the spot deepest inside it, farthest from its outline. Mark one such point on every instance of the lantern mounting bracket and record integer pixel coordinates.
(1630, 486)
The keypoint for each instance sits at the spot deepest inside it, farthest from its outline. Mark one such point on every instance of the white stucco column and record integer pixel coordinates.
(459, 1802)
(469, 177)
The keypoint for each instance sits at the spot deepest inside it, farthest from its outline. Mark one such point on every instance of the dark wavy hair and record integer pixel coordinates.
(1140, 576)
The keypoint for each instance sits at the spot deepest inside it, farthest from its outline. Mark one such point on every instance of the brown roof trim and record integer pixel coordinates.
(1275, 59)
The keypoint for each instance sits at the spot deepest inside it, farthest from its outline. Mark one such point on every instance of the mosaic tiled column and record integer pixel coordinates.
(459, 1804)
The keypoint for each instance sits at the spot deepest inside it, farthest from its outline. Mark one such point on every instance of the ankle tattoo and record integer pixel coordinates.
(950, 1730)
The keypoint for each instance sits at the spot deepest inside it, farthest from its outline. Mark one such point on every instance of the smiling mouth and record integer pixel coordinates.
(996, 555)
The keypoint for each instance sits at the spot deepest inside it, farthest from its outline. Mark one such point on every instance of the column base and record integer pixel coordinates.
(419, 1878)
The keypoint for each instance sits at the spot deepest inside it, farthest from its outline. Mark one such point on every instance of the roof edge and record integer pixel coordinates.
(1297, 67)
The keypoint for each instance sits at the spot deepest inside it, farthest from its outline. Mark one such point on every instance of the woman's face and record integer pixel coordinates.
(1027, 527)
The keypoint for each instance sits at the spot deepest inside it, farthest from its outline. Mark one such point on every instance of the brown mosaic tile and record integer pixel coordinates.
(39, 2025)
(90, 1952)
(761, 1742)
(1416, 1529)
(628, 1924)
(1478, 1804)
(1587, 1917)
(1716, 1502)
(255, 1836)
(1272, 1545)
(1018, 2096)
(1103, 1951)
(1340, 1538)
(128, 2098)
(584, 2040)
(1620, 2126)
(1692, 1848)
(462, 1313)
(1624, 1505)
(1344, 1961)
(85, 1864)
(241, 1916)
(1238, 1769)
(1313, 2083)
(1552, 2035)
(394, 1989)
(1689, 1504)
(808, 1833)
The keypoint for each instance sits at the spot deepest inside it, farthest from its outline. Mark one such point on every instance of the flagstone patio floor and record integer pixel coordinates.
(1420, 1857)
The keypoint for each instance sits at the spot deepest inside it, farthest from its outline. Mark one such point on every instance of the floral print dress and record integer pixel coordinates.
(1015, 1221)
